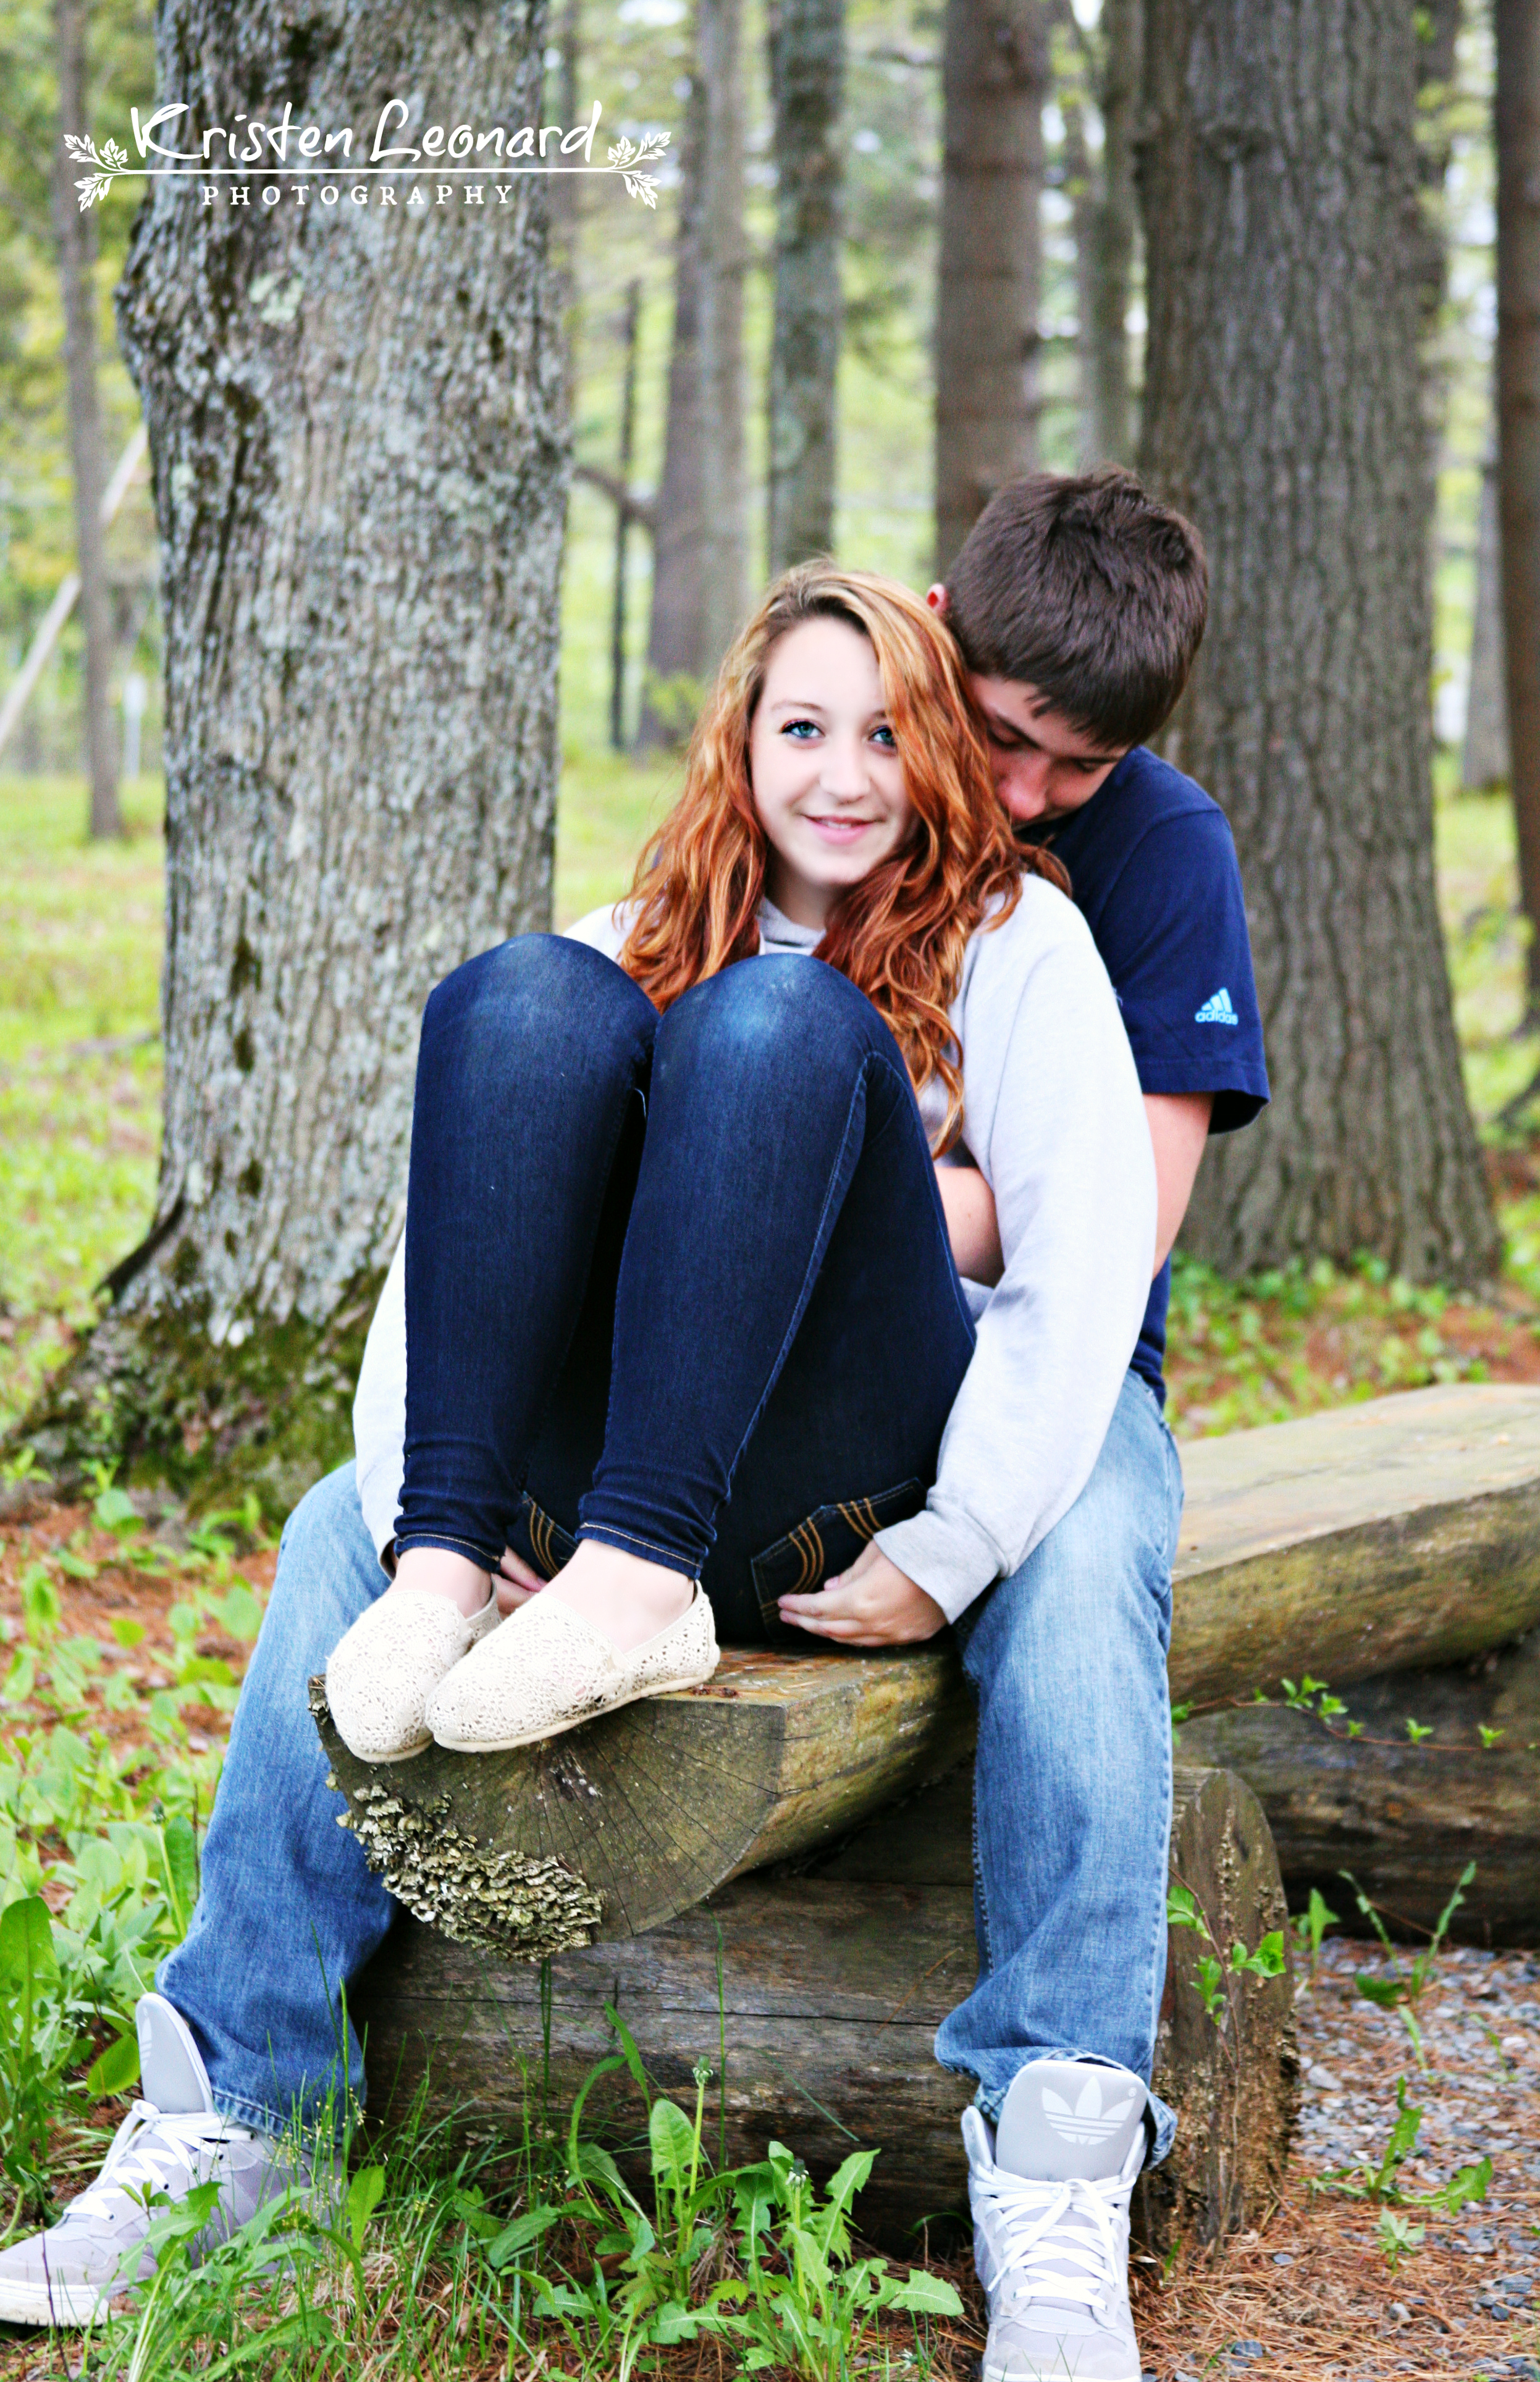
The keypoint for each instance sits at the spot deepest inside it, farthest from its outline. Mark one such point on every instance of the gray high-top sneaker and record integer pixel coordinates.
(1050, 2196)
(171, 2140)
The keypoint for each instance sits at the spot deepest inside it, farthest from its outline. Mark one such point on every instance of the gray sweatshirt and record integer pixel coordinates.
(1053, 1119)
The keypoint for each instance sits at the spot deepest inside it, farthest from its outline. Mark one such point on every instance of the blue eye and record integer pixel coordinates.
(892, 740)
(793, 725)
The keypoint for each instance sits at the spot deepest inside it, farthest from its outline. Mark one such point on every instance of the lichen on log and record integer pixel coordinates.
(653, 1807)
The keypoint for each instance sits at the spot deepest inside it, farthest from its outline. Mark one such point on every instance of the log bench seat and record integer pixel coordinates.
(632, 1851)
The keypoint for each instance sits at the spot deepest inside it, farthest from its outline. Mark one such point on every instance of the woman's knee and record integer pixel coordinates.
(763, 1012)
(544, 993)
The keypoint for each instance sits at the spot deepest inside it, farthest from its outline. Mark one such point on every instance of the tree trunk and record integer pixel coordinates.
(77, 240)
(566, 194)
(630, 335)
(1283, 414)
(356, 429)
(1517, 136)
(806, 60)
(723, 260)
(1484, 762)
(995, 73)
(1081, 187)
(1110, 407)
(676, 634)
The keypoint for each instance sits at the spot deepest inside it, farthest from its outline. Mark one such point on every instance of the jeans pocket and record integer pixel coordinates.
(543, 1543)
(821, 1545)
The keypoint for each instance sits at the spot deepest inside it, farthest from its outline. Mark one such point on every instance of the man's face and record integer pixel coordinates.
(1043, 767)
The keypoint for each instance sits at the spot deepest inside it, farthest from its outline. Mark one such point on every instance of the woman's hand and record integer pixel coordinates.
(971, 1228)
(873, 1603)
(514, 1582)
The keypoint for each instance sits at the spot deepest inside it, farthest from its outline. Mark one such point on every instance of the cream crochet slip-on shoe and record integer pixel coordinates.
(380, 1675)
(547, 1669)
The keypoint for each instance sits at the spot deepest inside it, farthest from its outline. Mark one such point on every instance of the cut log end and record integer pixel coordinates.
(616, 1826)
(503, 1901)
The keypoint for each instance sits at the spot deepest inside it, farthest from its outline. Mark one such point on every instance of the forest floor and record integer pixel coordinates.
(125, 1634)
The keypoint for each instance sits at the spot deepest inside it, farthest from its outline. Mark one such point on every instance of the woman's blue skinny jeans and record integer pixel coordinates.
(681, 1283)
(783, 1174)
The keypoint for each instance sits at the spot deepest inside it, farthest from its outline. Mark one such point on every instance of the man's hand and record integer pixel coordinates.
(873, 1603)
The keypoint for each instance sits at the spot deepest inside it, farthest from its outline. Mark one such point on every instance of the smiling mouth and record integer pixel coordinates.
(841, 831)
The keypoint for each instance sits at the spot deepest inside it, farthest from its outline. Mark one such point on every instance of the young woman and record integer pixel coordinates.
(752, 1298)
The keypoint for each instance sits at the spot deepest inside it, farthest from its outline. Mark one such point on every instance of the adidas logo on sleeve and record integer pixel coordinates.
(1217, 1010)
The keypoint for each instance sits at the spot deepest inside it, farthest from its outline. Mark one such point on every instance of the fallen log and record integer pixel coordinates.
(825, 1986)
(1404, 1529)
(1404, 1816)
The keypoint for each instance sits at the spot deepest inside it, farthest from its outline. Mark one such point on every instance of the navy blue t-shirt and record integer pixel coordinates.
(1152, 864)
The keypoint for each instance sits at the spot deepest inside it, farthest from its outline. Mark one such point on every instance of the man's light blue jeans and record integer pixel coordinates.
(1072, 1808)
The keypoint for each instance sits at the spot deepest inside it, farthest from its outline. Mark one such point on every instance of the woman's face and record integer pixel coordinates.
(828, 782)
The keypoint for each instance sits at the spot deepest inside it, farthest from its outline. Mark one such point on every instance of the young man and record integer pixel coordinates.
(1067, 1655)
(1078, 605)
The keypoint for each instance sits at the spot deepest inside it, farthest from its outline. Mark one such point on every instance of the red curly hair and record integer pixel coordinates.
(900, 934)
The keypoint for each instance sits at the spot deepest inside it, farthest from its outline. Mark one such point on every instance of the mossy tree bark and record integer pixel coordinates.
(1283, 413)
(357, 439)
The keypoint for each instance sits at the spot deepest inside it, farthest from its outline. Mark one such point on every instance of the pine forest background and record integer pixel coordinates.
(79, 1077)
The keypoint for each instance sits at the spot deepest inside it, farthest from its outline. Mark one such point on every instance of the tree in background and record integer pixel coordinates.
(1484, 753)
(700, 519)
(1518, 141)
(676, 632)
(1109, 232)
(1283, 413)
(723, 261)
(356, 429)
(807, 58)
(41, 343)
(994, 79)
(76, 233)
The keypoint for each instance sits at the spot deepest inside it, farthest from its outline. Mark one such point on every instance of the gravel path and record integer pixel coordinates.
(1310, 2294)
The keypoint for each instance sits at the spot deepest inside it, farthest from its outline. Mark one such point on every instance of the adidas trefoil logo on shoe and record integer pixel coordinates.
(1087, 2121)
(1219, 1010)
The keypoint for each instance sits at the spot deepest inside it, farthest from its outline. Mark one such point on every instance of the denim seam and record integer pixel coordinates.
(634, 1089)
(451, 1546)
(828, 1215)
(253, 2114)
(607, 1532)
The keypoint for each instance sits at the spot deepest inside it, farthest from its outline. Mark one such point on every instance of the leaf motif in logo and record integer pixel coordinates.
(624, 150)
(642, 185)
(114, 156)
(81, 148)
(1050, 2100)
(96, 188)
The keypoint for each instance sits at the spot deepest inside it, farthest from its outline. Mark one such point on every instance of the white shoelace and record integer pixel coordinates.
(152, 2152)
(1038, 2238)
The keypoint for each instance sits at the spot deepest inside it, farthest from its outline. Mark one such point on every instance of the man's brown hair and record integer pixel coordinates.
(1087, 591)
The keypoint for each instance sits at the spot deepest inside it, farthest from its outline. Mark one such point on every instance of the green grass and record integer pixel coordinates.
(81, 934)
(534, 2253)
